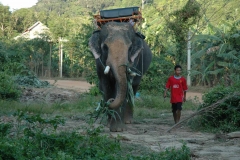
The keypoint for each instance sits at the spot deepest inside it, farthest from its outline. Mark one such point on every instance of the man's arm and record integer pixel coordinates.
(165, 92)
(184, 98)
(168, 86)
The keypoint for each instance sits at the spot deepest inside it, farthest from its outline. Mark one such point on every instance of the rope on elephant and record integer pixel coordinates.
(206, 109)
(142, 62)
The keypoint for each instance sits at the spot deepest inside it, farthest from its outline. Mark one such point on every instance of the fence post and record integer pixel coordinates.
(189, 58)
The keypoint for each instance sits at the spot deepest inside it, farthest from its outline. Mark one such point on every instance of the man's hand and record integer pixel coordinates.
(184, 98)
(165, 93)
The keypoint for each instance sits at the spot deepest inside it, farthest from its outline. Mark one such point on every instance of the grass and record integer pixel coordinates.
(9, 107)
(49, 144)
(34, 143)
(84, 105)
(147, 106)
(157, 101)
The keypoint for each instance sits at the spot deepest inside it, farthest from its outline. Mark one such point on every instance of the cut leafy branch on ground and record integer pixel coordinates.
(207, 109)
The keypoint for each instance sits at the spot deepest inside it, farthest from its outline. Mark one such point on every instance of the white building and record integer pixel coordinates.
(35, 31)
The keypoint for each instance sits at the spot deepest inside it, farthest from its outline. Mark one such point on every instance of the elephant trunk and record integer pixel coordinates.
(121, 86)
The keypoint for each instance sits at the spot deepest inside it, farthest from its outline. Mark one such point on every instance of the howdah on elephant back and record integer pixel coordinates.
(115, 46)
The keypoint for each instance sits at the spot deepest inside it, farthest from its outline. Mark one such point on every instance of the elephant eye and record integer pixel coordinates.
(105, 48)
(130, 49)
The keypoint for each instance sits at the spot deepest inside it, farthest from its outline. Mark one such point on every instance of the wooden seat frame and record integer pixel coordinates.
(99, 21)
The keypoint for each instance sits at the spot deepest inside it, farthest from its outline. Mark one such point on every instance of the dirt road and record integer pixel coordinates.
(82, 86)
(151, 133)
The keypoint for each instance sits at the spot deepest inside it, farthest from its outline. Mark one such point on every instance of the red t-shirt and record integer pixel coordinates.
(177, 86)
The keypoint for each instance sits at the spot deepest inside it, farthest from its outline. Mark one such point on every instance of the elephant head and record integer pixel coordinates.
(116, 45)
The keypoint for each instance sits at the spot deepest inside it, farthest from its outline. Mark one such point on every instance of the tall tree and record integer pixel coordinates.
(5, 17)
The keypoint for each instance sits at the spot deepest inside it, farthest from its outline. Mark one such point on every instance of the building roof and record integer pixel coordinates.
(35, 31)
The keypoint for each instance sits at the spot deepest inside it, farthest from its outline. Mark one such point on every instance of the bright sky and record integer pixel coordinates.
(17, 4)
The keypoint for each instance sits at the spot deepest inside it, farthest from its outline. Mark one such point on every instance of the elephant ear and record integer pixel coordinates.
(137, 47)
(94, 44)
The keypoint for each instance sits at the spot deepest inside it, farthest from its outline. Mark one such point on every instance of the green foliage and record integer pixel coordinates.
(23, 57)
(172, 153)
(103, 111)
(152, 100)
(4, 129)
(30, 81)
(226, 117)
(15, 66)
(94, 91)
(165, 26)
(156, 77)
(179, 23)
(36, 122)
(37, 138)
(216, 55)
(8, 89)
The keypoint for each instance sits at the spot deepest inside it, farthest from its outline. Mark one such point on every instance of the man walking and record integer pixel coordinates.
(178, 87)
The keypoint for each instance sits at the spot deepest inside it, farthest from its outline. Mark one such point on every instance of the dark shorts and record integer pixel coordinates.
(176, 106)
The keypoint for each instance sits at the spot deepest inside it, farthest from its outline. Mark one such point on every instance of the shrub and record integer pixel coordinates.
(157, 74)
(30, 80)
(4, 129)
(226, 117)
(176, 154)
(8, 89)
(94, 91)
(36, 139)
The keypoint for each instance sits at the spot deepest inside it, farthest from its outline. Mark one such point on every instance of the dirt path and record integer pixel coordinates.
(82, 86)
(151, 133)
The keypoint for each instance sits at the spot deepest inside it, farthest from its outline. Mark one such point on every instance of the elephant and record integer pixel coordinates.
(114, 46)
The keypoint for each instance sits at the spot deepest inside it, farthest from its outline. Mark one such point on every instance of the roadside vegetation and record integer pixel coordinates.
(32, 130)
(225, 117)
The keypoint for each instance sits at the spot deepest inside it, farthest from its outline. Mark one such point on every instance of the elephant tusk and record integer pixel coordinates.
(107, 68)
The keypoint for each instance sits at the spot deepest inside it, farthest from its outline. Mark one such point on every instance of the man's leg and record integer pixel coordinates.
(178, 115)
(175, 117)
(174, 109)
(178, 112)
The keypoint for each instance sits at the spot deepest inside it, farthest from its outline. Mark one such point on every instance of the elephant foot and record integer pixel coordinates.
(128, 119)
(117, 129)
(129, 122)
(117, 126)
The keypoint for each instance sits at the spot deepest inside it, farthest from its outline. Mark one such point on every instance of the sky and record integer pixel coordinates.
(17, 4)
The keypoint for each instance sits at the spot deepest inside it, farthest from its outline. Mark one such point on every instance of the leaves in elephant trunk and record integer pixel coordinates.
(130, 94)
(104, 110)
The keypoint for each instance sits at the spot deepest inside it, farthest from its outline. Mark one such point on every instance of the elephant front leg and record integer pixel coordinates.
(128, 114)
(117, 122)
